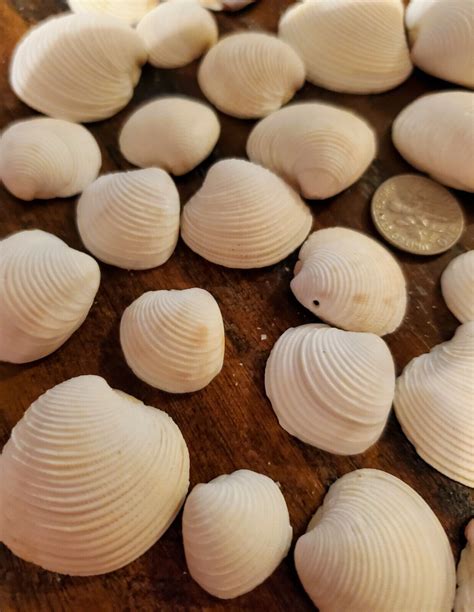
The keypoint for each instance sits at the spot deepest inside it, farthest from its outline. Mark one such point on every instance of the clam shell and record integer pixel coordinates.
(90, 479)
(464, 601)
(457, 285)
(236, 531)
(46, 291)
(351, 281)
(244, 216)
(130, 11)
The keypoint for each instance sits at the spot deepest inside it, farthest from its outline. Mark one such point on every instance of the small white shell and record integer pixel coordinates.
(457, 286)
(46, 291)
(250, 74)
(174, 340)
(130, 11)
(90, 479)
(376, 545)
(350, 280)
(319, 148)
(464, 601)
(175, 134)
(236, 531)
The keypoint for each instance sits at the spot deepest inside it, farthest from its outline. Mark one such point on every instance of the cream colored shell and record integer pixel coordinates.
(457, 285)
(219, 5)
(90, 479)
(130, 11)
(464, 601)
(236, 531)
(376, 545)
(46, 291)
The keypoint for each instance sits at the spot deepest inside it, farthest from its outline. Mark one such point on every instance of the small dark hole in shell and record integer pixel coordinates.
(316, 302)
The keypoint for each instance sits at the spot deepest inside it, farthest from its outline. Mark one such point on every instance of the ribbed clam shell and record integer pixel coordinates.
(236, 531)
(78, 67)
(250, 74)
(174, 340)
(130, 11)
(219, 5)
(319, 148)
(457, 285)
(435, 405)
(244, 216)
(464, 601)
(376, 545)
(90, 479)
(352, 46)
(351, 281)
(46, 291)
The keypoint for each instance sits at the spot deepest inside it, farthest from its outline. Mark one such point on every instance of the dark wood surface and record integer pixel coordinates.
(229, 424)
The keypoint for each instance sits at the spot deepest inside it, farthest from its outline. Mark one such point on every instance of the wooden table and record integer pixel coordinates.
(229, 424)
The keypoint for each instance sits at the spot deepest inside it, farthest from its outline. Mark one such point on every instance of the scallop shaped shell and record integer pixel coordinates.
(434, 404)
(130, 11)
(219, 5)
(90, 479)
(457, 285)
(236, 531)
(250, 74)
(434, 134)
(46, 291)
(77, 67)
(351, 281)
(244, 216)
(319, 148)
(174, 340)
(175, 134)
(352, 46)
(464, 601)
(47, 158)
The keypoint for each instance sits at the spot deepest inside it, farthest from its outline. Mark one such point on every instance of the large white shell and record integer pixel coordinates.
(130, 11)
(464, 601)
(130, 219)
(435, 405)
(90, 479)
(352, 46)
(376, 545)
(351, 281)
(46, 291)
(174, 340)
(319, 148)
(244, 216)
(250, 74)
(77, 67)
(457, 285)
(435, 134)
(47, 158)
(174, 133)
(236, 531)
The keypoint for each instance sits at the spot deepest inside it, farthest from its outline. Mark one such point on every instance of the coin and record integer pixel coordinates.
(417, 215)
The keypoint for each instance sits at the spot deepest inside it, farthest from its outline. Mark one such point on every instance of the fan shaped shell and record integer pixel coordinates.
(130, 11)
(457, 285)
(464, 601)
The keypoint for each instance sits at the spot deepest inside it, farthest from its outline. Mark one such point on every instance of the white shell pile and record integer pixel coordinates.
(130, 11)
(464, 601)
(457, 285)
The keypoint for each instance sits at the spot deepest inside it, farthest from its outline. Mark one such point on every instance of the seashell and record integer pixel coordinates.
(244, 216)
(90, 479)
(46, 291)
(435, 405)
(174, 340)
(457, 286)
(220, 5)
(464, 601)
(130, 219)
(351, 281)
(330, 388)
(371, 53)
(47, 158)
(250, 74)
(236, 531)
(434, 134)
(175, 134)
(130, 11)
(375, 545)
(77, 67)
(318, 148)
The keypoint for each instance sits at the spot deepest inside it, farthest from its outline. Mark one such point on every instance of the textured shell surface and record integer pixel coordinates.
(90, 479)
(236, 531)
(457, 286)
(130, 11)
(464, 601)
(46, 291)
(376, 545)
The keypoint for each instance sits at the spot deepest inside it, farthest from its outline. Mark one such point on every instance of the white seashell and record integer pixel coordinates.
(435, 135)
(78, 67)
(236, 531)
(174, 340)
(350, 280)
(319, 148)
(90, 479)
(219, 5)
(130, 11)
(457, 285)
(250, 74)
(175, 134)
(130, 219)
(434, 404)
(464, 601)
(331, 388)
(244, 216)
(46, 291)
(352, 46)
(47, 158)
